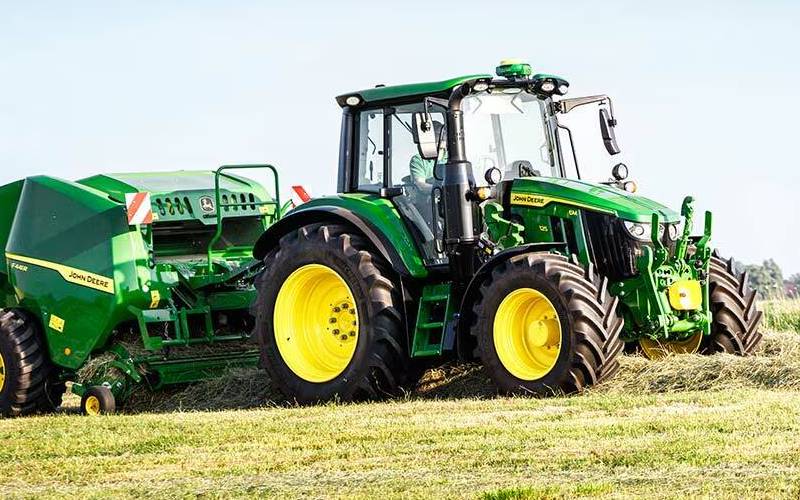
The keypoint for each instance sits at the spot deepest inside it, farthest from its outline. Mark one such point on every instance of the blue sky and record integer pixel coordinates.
(705, 93)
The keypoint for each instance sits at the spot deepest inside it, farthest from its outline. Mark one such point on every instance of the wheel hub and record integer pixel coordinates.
(527, 334)
(92, 405)
(343, 320)
(316, 323)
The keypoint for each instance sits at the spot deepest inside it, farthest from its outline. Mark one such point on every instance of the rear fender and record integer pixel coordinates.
(402, 263)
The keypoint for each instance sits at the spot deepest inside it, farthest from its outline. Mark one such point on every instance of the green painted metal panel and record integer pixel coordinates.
(9, 198)
(169, 182)
(382, 214)
(595, 197)
(72, 262)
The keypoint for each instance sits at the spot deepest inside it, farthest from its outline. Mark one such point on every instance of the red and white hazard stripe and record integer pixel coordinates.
(139, 209)
(299, 195)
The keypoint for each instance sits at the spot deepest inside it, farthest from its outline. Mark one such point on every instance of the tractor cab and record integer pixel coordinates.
(505, 135)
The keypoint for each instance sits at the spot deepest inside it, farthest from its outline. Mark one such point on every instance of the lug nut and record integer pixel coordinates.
(352, 333)
(332, 320)
(336, 309)
(344, 337)
(345, 305)
(335, 331)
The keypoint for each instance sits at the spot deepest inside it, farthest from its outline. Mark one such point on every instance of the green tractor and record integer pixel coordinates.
(458, 233)
(121, 281)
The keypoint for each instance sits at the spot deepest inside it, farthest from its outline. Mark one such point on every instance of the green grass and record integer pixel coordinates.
(738, 443)
(782, 315)
(647, 432)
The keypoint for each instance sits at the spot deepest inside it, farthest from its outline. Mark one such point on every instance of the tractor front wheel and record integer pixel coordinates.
(735, 315)
(546, 325)
(328, 318)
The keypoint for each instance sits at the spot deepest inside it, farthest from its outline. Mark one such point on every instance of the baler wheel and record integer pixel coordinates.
(546, 325)
(27, 382)
(328, 318)
(98, 400)
(734, 326)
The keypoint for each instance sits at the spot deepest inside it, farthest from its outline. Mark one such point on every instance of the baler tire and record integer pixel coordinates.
(734, 309)
(98, 400)
(28, 385)
(590, 326)
(379, 366)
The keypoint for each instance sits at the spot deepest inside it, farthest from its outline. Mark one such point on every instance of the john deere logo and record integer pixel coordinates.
(207, 204)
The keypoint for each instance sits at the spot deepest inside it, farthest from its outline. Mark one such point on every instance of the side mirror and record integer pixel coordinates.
(425, 136)
(607, 131)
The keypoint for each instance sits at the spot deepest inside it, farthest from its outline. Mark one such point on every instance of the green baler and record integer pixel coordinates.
(122, 280)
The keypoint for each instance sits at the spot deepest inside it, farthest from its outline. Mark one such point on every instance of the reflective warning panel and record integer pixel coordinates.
(139, 209)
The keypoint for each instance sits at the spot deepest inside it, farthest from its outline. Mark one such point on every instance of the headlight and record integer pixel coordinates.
(641, 230)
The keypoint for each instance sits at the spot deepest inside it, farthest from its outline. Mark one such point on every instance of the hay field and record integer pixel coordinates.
(689, 426)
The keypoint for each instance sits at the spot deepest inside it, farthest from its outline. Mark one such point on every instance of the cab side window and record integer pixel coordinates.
(370, 151)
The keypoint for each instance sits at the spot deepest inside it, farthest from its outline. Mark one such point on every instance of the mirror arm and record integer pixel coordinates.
(567, 105)
(433, 101)
(611, 111)
(572, 147)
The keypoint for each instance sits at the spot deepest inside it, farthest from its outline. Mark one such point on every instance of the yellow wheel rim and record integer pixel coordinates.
(655, 349)
(2, 373)
(92, 405)
(527, 334)
(316, 323)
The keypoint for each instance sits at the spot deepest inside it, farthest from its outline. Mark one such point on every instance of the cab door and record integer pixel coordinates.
(388, 164)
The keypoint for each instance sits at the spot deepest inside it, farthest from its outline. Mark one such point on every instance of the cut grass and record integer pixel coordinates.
(647, 432)
(739, 443)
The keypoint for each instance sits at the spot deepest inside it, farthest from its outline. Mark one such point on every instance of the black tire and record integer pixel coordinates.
(29, 379)
(380, 366)
(734, 309)
(103, 403)
(590, 325)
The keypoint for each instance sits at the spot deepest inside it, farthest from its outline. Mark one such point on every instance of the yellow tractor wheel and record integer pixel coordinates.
(328, 318)
(543, 324)
(316, 323)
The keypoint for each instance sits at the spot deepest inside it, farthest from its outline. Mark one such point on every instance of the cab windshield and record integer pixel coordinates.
(507, 131)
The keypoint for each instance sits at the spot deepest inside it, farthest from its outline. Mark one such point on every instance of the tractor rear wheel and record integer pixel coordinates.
(27, 383)
(328, 318)
(735, 315)
(546, 325)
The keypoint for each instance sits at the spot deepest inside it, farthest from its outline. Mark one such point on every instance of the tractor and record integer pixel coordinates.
(124, 281)
(460, 231)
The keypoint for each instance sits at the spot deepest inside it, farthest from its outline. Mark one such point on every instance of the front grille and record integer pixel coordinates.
(614, 250)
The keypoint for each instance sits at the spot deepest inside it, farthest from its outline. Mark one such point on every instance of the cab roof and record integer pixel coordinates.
(384, 93)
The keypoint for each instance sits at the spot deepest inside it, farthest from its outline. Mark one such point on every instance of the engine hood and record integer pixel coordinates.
(539, 191)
